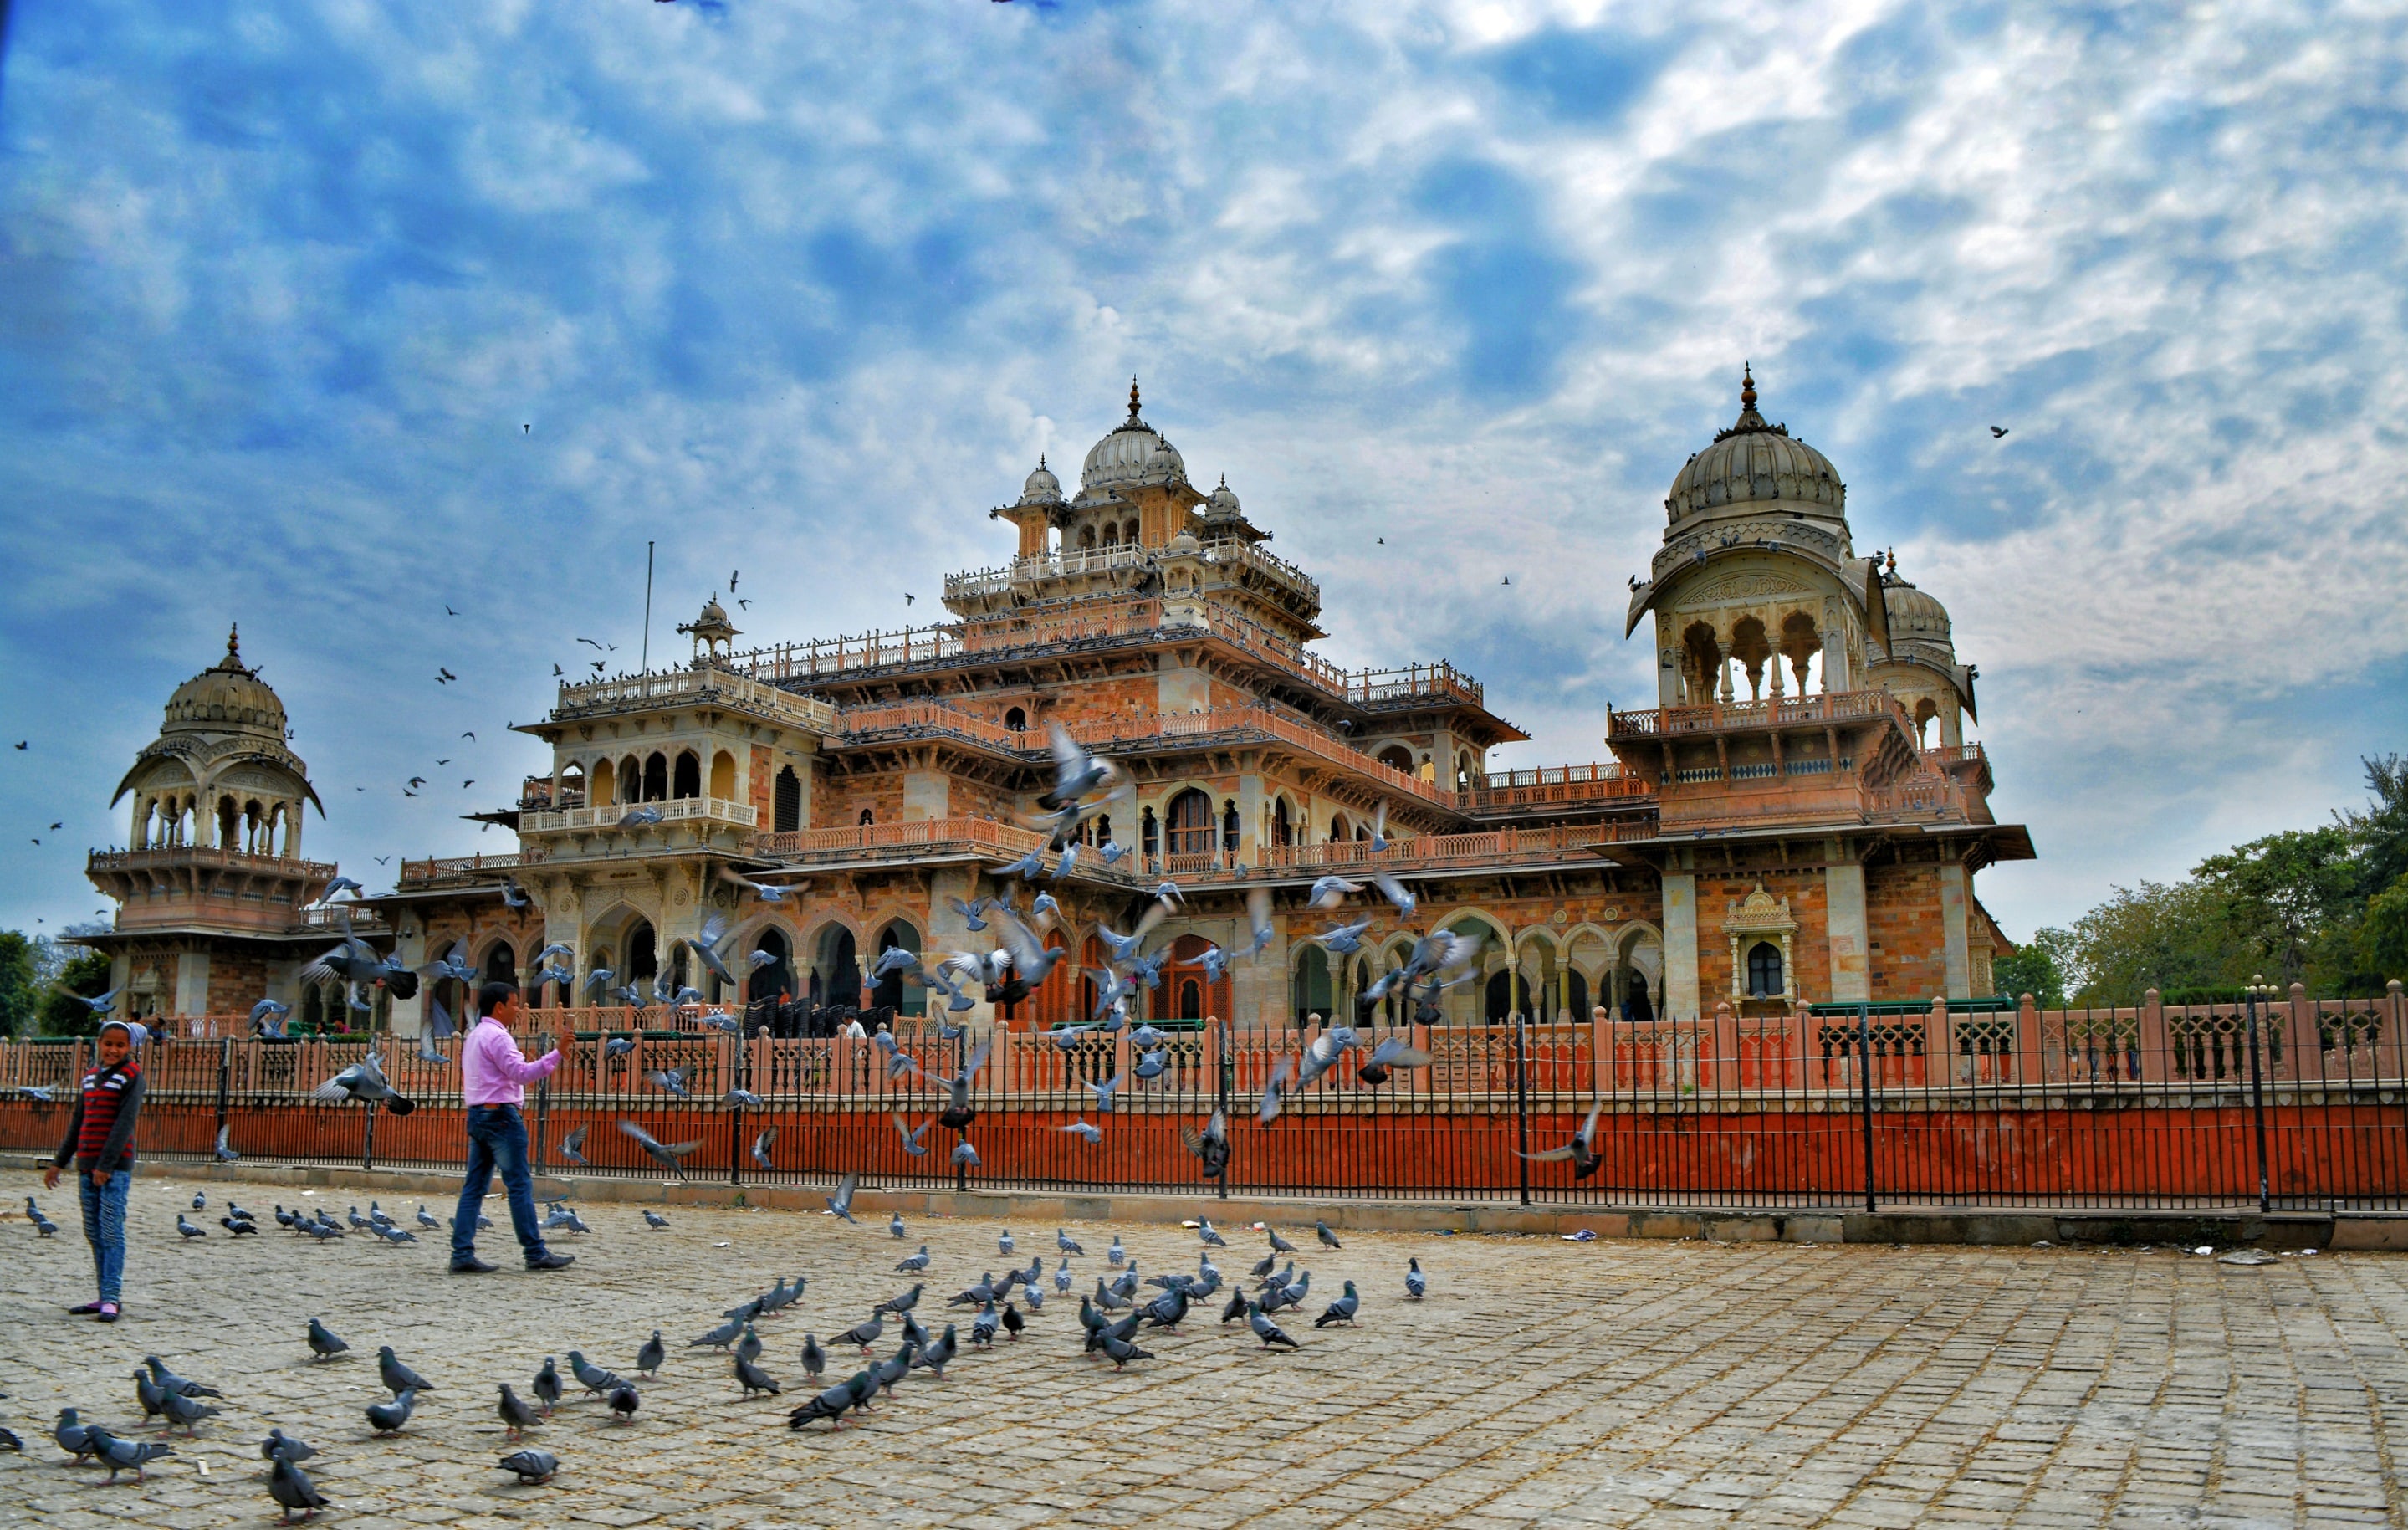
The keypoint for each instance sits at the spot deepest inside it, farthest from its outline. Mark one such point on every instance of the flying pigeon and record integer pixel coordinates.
(669, 1155)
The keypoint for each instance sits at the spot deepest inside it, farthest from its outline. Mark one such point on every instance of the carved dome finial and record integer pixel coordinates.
(1132, 395)
(234, 642)
(1746, 385)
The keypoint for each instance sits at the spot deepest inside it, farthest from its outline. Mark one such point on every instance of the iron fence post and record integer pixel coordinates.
(1222, 1080)
(1522, 1098)
(735, 1074)
(1865, 1093)
(542, 1121)
(225, 1079)
(2257, 1099)
(367, 1138)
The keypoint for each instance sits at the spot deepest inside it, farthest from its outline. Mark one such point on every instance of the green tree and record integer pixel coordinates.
(2037, 967)
(20, 984)
(85, 973)
(2281, 893)
(2156, 935)
(2381, 828)
(2382, 933)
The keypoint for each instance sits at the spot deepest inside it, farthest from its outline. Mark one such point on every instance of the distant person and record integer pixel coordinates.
(100, 1139)
(493, 1076)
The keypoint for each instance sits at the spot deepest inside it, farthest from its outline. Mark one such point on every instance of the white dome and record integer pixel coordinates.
(1134, 454)
(1043, 486)
(1221, 502)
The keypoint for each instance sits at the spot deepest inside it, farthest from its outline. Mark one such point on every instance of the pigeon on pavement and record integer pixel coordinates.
(533, 1466)
(388, 1418)
(292, 1488)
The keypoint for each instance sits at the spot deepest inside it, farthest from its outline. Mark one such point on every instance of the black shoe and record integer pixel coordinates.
(552, 1261)
(472, 1265)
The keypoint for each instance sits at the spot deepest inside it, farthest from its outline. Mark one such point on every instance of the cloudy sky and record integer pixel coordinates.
(320, 316)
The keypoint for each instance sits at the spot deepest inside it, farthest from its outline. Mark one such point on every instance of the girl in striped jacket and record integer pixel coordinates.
(100, 1139)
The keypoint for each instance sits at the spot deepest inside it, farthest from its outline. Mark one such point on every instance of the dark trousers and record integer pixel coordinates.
(497, 1141)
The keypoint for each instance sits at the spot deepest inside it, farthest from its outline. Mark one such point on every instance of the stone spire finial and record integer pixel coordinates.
(233, 641)
(1747, 386)
(1132, 396)
(1040, 462)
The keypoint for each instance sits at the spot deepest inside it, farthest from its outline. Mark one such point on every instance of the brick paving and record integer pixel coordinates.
(1542, 1383)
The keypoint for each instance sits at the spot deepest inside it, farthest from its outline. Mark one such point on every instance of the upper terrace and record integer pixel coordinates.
(1069, 628)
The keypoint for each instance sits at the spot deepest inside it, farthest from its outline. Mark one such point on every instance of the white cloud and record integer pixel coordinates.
(807, 293)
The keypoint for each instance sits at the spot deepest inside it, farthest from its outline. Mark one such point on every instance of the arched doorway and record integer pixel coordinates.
(786, 810)
(839, 967)
(892, 992)
(501, 963)
(1191, 824)
(1310, 986)
(643, 955)
(768, 982)
(1508, 992)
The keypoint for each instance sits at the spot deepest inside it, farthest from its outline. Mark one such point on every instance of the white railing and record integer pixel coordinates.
(743, 815)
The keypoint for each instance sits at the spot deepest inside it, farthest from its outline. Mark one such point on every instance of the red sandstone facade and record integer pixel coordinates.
(1799, 819)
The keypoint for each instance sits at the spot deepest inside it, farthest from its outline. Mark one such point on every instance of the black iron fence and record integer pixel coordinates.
(2274, 1101)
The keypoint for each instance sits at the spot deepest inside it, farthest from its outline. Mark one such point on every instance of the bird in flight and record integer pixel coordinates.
(590, 643)
(527, 430)
(1509, 579)
(21, 743)
(443, 675)
(909, 597)
(597, 666)
(556, 671)
(470, 736)
(449, 611)
(731, 579)
(383, 859)
(1996, 431)
(745, 605)
(464, 785)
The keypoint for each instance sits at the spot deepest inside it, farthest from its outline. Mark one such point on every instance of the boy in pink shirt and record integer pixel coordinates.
(493, 1079)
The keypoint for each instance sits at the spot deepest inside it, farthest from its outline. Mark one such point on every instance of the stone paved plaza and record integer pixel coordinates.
(1541, 1382)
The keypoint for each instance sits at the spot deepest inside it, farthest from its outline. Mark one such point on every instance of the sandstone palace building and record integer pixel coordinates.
(1799, 815)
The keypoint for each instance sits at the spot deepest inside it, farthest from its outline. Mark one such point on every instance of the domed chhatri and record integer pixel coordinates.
(711, 632)
(1753, 461)
(1222, 503)
(1043, 486)
(227, 697)
(1134, 454)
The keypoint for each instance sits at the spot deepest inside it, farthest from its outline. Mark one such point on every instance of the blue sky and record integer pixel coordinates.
(805, 290)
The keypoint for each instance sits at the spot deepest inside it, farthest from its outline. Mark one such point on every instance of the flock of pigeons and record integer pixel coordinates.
(1112, 1316)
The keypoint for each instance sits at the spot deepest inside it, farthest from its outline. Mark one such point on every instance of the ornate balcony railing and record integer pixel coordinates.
(1829, 707)
(1553, 785)
(163, 856)
(674, 810)
(465, 868)
(687, 687)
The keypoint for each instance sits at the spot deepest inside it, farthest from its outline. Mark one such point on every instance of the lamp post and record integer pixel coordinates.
(2258, 986)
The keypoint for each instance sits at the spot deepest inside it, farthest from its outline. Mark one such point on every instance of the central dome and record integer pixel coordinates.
(226, 697)
(1754, 462)
(1134, 454)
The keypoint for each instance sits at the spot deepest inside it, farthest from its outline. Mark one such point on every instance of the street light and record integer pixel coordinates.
(2258, 986)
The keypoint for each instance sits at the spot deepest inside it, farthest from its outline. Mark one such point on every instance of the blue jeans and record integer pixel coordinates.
(498, 1140)
(104, 1227)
